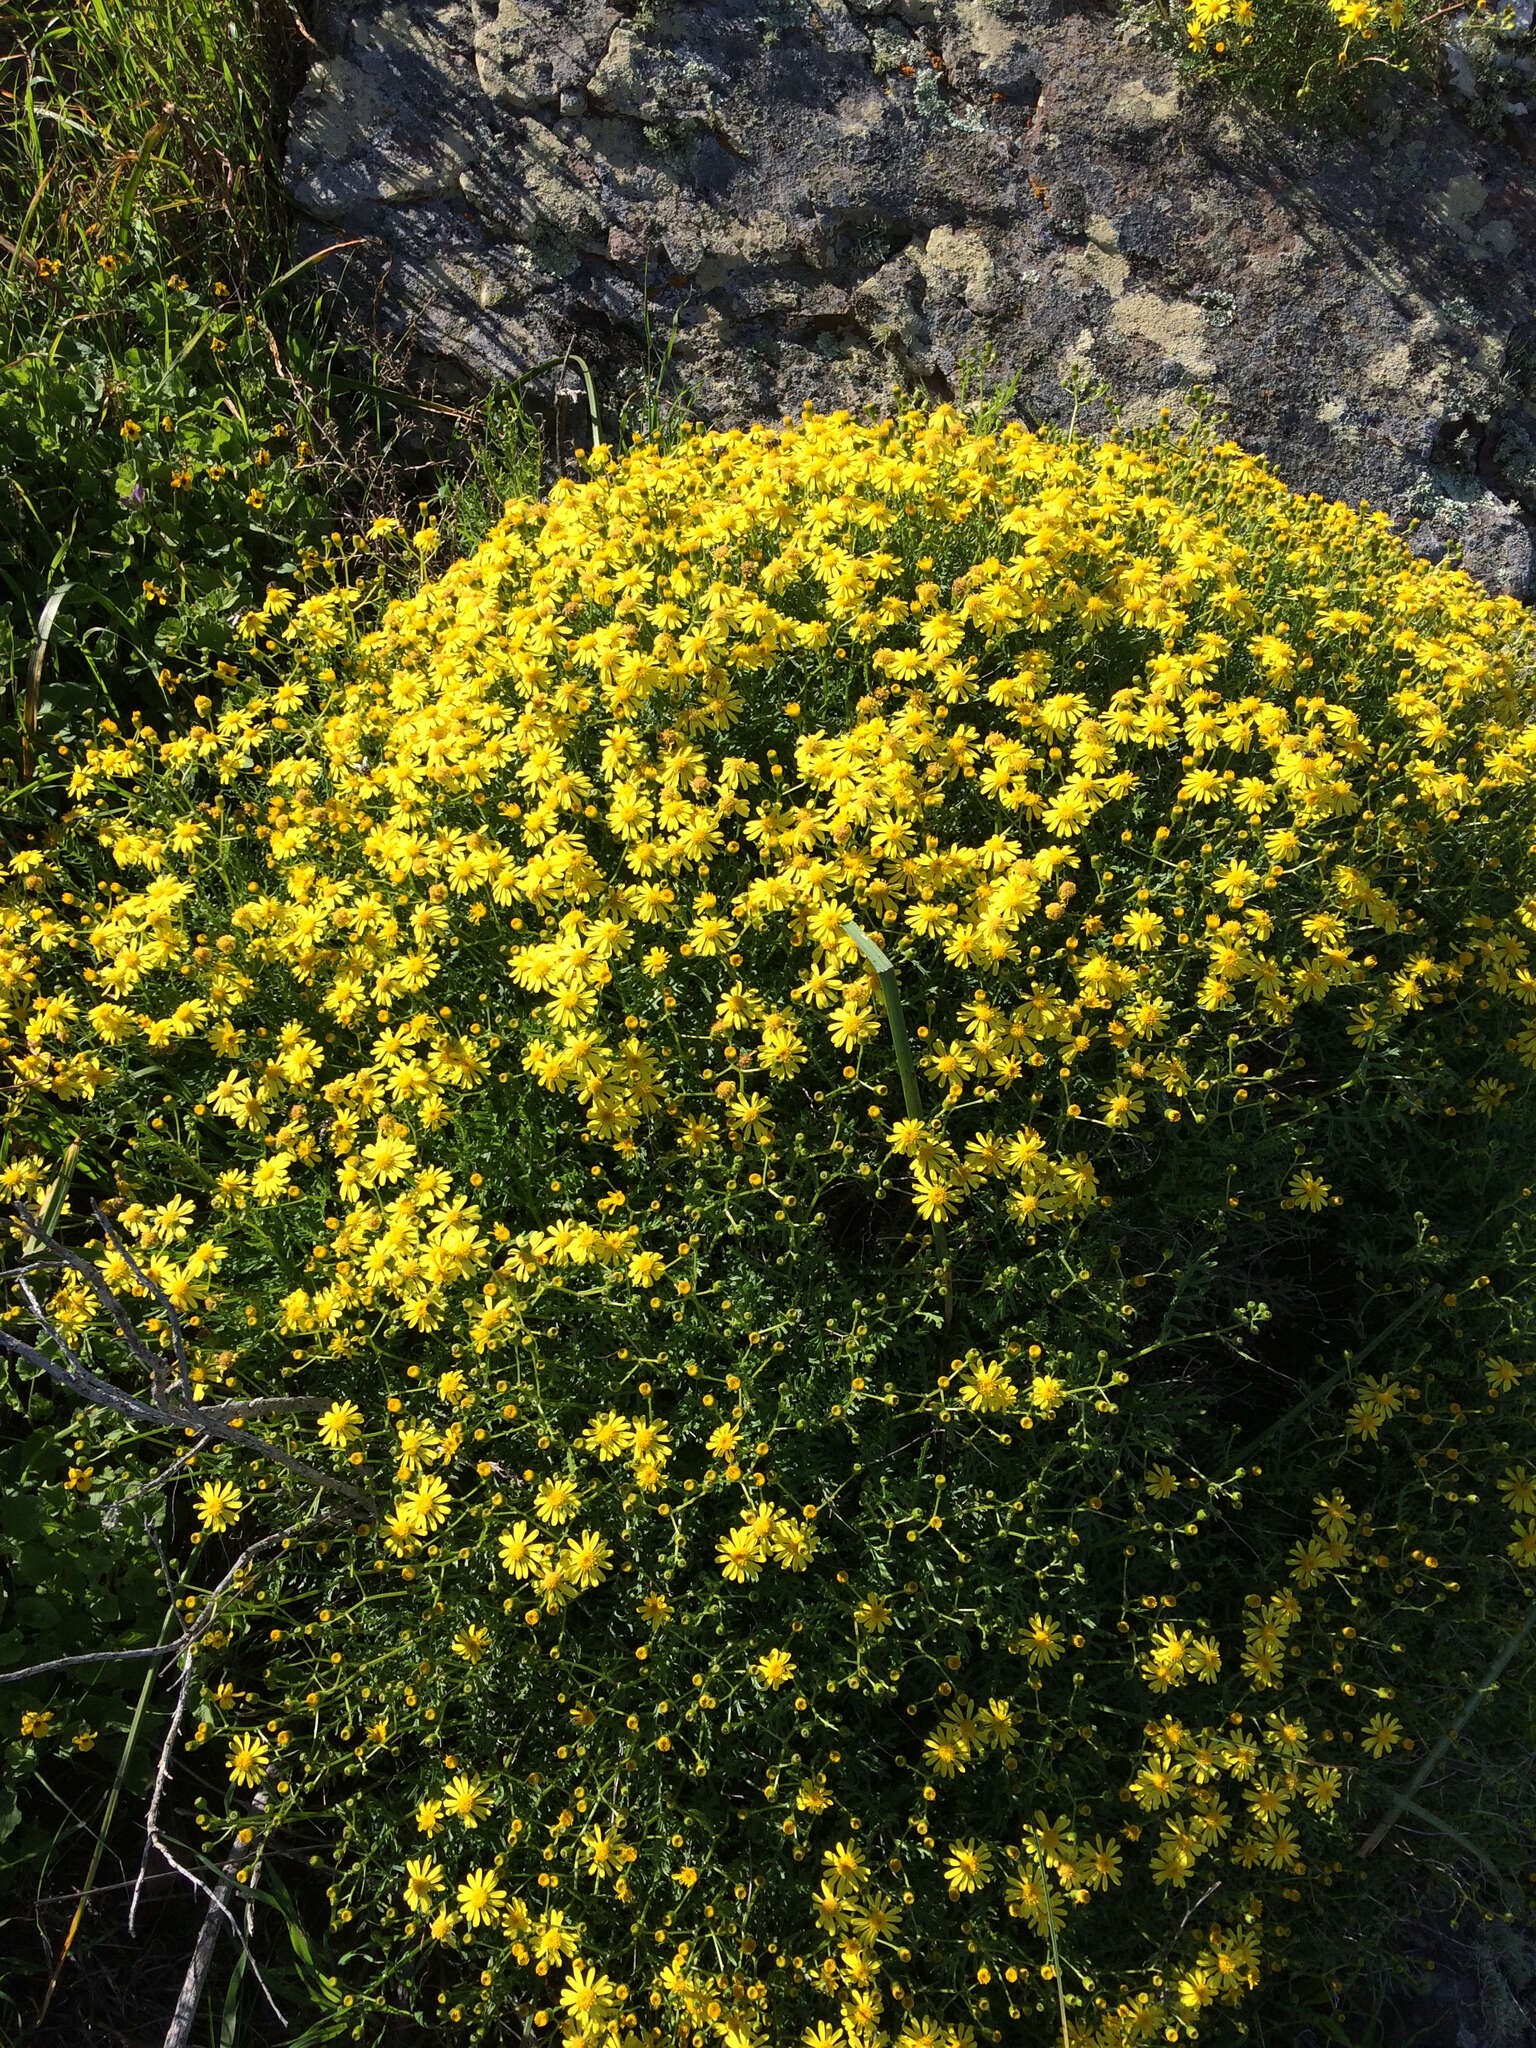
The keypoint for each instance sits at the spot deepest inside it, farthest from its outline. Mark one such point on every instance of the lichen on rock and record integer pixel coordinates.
(826, 198)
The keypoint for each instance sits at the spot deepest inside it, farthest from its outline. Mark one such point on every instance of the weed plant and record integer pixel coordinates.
(182, 418)
(153, 479)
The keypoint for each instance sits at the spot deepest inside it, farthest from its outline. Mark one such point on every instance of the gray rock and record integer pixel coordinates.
(534, 58)
(1496, 545)
(826, 196)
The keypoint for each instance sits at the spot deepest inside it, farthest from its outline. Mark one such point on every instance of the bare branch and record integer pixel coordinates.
(188, 1640)
(95, 1657)
(117, 1241)
(66, 1256)
(206, 1620)
(76, 1377)
(112, 1514)
(267, 1404)
(86, 1385)
(221, 1422)
(180, 2029)
(157, 1793)
(218, 1898)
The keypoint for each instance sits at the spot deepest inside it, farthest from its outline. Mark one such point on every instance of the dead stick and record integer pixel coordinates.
(202, 1955)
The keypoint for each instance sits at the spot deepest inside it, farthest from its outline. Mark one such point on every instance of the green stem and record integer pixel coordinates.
(911, 1095)
(105, 1829)
(1352, 1363)
(1494, 1673)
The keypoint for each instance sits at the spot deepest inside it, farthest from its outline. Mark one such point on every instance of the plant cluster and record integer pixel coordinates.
(1324, 56)
(150, 447)
(694, 1523)
(157, 490)
(181, 423)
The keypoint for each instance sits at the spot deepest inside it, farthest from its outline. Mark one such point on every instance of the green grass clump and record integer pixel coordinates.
(182, 420)
(157, 444)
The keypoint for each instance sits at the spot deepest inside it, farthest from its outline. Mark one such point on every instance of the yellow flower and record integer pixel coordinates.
(219, 1504)
(1046, 1392)
(1308, 1191)
(423, 1878)
(1280, 1847)
(588, 1996)
(740, 1553)
(586, 1561)
(606, 1436)
(969, 1867)
(1382, 1732)
(1049, 1841)
(1102, 1864)
(945, 1754)
(1172, 1864)
(1144, 929)
(775, 1668)
(481, 1898)
(1032, 1897)
(1156, 1783)
(521, 1551)
(556, 1500)
(1320, 1788)
(466, 1799)
(793, 1544)
(873, 1614)
(934, 1197)
(340, 1425)
(425, 1508)
(248, 1757)
(1043, 1641)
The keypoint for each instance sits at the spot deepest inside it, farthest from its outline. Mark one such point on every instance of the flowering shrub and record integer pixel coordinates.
(1322, 52)
(703, 1533)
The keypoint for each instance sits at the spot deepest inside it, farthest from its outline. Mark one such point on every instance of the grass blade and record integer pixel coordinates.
(130, 1740)
(911, 1094)
(1406, 1798)
(53, 1201)
(32, 691)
